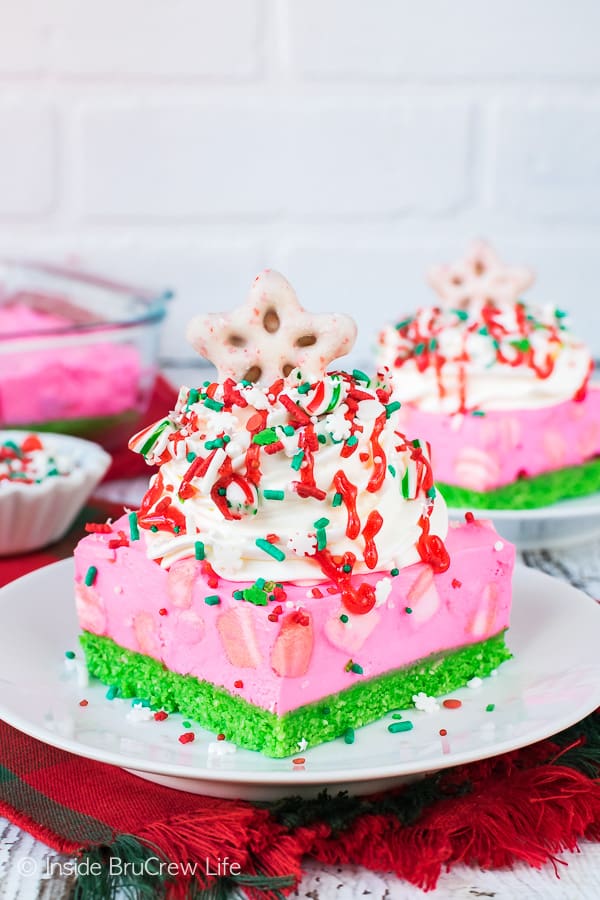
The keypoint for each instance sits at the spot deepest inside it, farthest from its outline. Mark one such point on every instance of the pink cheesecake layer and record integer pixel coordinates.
(302, 656)
(95, 378)
(485, 452)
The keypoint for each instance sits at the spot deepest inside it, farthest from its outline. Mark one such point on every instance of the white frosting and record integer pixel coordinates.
(230, 544)
(471, 358)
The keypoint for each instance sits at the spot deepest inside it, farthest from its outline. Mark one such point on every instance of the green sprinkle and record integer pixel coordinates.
(395, 727)
(461, 314)
(490, 707)
(478, 412)
(199, 550)
(134, 531)
(432, 493)
(392, 470)
(154, 528)
(522, 345)
(408, 610)
(343, 618)
(273, 551)
(112, 692)
(222, 492)
(496, 344)
(347, 568)
(433, 344)
(352, 440)
(255, 595)
(359, 375)
(396, 715)
(265, 437)
(70, 654)
(288, 430)
(303, 388)
(322, 439)
(90, 575)
(186, 724)
(193, 396)
(560, 313)
(321, 523)
(349, 736)
(337, 499)
(297, 460)
(190, 456)
(206, 384)
(212, 600)
(321, 538)
(484, 331)
(419, 349)
(358, 670)
(215, 405)
(176, 529)
(394, 571)
(273, 495)
(260, 583)
(238, 595)
(404, 323)
(392, 407)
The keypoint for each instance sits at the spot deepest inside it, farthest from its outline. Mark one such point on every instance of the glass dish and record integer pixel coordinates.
(78, 353)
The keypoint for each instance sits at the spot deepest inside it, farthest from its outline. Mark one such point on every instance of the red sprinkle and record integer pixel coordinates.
(163, 612)
(299, 761)
(316, 593)
(238, 684)
(221, 737)
(161, 715)
(83, 702)
(443, 732)
(187, 737)
(456, 583)
(469, 517)
(272, 617)
(452, 704)
(98, 528)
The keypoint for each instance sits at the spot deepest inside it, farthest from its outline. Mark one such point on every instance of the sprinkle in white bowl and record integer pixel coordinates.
(44, 481)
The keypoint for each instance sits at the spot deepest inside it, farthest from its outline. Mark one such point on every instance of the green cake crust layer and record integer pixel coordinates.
(250, 726)
(530, 493)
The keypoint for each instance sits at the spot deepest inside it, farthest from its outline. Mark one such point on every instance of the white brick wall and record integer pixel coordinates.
(188, 143)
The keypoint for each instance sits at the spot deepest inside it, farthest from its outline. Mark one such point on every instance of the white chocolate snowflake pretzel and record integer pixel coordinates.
(478, 278)
(271, 335)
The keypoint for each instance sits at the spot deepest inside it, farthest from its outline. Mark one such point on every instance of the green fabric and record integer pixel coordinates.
(529, 493)
(255, 728)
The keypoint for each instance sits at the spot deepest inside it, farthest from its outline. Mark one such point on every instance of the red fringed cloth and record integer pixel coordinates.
(530, 805)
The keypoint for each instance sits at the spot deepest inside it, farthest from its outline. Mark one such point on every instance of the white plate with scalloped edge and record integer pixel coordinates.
(552, 682)
(562, 524)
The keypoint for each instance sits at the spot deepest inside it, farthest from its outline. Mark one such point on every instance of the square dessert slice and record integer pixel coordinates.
(272, 664)
(290, 573)
(498, 387)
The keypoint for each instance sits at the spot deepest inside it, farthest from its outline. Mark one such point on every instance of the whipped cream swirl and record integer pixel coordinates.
(488, 356)
(274, 482)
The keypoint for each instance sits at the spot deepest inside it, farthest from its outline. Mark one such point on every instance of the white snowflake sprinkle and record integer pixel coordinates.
(425, 703)
(139, 713)
(302, 544)
(302, 745)
(499, 545)
(475, 683)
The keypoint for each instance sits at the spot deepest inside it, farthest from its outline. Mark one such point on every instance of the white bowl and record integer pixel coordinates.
(34, 515)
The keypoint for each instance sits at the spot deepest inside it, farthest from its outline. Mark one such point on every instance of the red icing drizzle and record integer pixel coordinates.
(373, 526)
(348, 491)
(379, 460)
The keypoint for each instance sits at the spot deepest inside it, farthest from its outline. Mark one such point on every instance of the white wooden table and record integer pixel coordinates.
(24, 862)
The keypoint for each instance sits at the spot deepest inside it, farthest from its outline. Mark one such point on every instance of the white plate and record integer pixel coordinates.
(558, 525)
(553, 681)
